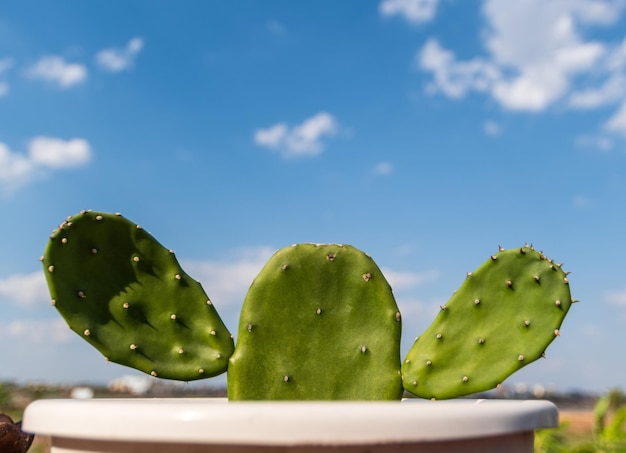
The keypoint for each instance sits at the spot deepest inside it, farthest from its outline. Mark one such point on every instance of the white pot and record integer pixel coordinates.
(194, 425)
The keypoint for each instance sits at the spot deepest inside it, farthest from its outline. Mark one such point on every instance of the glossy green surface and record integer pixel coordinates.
(502, 318)
(125, 294)
(319, 322)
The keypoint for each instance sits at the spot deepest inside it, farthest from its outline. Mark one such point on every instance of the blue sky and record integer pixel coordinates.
(423, 132)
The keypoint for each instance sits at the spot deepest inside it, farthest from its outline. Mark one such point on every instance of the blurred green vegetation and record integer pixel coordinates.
(607, 436)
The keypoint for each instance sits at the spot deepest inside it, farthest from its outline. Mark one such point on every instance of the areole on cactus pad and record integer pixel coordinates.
(319, 322)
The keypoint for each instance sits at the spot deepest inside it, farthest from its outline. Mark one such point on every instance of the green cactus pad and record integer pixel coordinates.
(125, 294)
(502, 318)
(319, 322)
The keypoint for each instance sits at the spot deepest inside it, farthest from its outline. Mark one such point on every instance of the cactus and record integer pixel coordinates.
(125, 294)
(502, 318)
(318, 322)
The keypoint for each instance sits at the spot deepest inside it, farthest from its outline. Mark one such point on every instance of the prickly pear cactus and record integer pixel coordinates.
(319, 322)
(124, 293)
(502, 318)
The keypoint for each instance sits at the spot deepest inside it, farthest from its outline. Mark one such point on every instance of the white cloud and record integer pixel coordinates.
(581, 202)
(116, 60)
(5, 65)
(276, 28)
(226, 281)
(383, 168)
(26, 290)
(44, 154)
(616, 297)
(56, 70)
(402, 280)
(455, 78)
(57, 153)
(40, 331)
(304, 139)
(492, 128)
(414, 11)
(617, 122)
(530, 71)
(600, 142)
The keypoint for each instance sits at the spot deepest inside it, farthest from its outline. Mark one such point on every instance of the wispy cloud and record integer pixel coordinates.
(5, 64)
(56, 70)
(414, 11)
(531, 72)
(304, 139)
(119, 59)
(25, 290)
(226, 280)
(616, 297)
(37, 331)
(492, 128)
(43, 154)
(275, 27)
(404, 280)
(383, 168)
